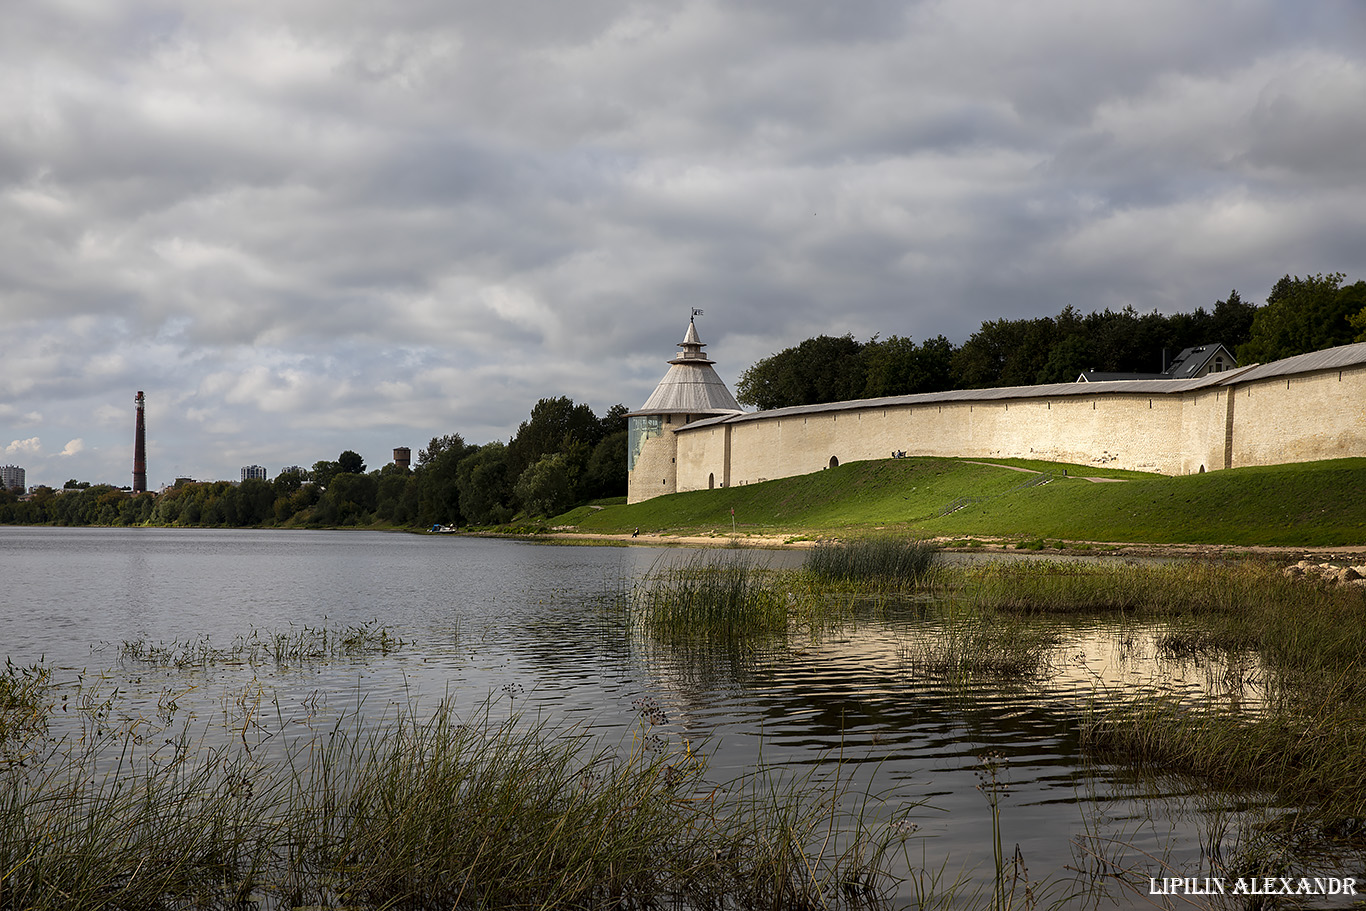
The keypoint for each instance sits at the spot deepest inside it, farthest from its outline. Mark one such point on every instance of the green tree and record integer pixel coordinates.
(614, 421)
(390, 504)
(441, 446)
(605, 473)
(287, 482)
(323, 471)
(546, 488)
(485, 485)
(437, 493)
(350, 463)
(1125, 341)
(554, 425)
(1069, 359)
(349, 500)
(255, 503)
(1005, 353)
(292, 505)
(1230, 324)
(897, 366)
(1303, 315)
(1358, 322)
(818, 370)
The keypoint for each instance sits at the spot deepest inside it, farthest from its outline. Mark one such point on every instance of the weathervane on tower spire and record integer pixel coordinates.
(696, 313)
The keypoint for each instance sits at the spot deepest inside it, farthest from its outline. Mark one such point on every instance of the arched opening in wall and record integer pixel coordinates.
(834, 462)
(1202, 469)
(711, 481)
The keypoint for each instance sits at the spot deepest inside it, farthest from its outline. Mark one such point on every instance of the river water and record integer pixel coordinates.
(524, 624)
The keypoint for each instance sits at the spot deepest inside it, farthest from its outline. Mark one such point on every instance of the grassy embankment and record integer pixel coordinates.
(1311, 504)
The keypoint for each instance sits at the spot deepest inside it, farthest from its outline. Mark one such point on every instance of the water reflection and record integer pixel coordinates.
(543, 630)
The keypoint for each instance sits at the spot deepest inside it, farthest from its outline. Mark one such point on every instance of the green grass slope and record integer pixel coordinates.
(1313, 504)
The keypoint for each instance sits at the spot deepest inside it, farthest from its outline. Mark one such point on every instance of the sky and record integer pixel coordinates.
(307, 226)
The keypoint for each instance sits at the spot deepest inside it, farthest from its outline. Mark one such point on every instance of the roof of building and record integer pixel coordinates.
(1101, 376)
(1191, 361)
(1330, 359)
(1327, 359)
(691, 386)
(1186, 365)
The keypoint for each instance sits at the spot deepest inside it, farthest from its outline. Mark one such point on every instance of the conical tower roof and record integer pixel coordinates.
(691, 386)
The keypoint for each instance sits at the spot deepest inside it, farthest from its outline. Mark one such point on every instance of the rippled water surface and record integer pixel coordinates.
(536, 627)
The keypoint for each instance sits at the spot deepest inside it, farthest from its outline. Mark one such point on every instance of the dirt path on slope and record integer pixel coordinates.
(1076, 477)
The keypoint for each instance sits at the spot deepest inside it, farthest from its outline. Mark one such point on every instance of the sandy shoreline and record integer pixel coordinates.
(1087, 548)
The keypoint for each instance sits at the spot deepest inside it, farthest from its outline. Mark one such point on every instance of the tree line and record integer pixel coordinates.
(562, 455)
(1300, 315)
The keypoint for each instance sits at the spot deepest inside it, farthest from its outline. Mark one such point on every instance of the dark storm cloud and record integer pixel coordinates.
(326, 224)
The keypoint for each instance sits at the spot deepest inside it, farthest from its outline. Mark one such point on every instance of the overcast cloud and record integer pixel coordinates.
(304, 226)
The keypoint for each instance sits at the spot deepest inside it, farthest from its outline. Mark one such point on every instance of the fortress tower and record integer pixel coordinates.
(689, 392)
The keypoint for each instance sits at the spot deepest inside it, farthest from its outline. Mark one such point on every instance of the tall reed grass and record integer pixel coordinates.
(877, 563)
(1149, 589)
(1309, 756)
(435, 812)
(718, 595)
(23, 710)
(974, 646)
(294, 645)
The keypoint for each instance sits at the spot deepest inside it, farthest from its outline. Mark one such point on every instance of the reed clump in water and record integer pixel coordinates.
(23, 710)
(724, 595)
(1312, 760)
(972, 645)
(292, 646)
(1147, 589)
(876, 563)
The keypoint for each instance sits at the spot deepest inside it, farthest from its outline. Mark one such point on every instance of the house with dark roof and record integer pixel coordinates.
(1191, 364)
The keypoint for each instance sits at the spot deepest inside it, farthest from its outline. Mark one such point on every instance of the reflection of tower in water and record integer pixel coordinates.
(140, 449)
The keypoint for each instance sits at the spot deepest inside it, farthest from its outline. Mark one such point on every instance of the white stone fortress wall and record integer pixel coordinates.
(1305, 408)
